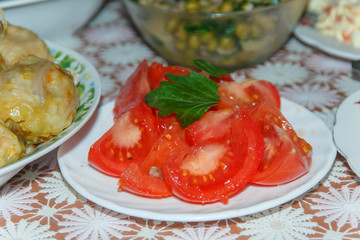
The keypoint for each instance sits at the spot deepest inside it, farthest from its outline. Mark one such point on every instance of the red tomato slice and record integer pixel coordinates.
(157, 73)
(171, 142)
(213, 126)
(287, 156)
(223, 78)
(133, 91)
(234, 95)
(214, 171)
(147, 180)
(165, 122)
(140, 183)
(128, 141)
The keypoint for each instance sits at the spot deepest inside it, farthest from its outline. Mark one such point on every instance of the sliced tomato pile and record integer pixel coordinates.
(244, 139)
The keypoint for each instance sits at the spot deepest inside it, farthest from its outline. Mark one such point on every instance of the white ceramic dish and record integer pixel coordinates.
(310, 36)
(102, 189)
(51, 19)
(90, 92)
(347, 131)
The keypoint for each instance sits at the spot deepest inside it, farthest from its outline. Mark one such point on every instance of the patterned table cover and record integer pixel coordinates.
(39, 204)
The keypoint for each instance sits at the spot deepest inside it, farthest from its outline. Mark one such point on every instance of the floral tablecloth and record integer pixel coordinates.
(39, 204)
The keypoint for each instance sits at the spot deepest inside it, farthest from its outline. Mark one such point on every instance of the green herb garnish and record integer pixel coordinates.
(189, 97)
(210, 68)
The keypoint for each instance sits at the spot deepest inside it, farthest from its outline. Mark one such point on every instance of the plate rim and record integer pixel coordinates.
(310, 36)
(210, 216)
(26, 160)
(338, 128)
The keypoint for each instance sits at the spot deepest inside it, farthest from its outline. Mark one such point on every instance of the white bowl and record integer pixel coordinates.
(90, 92)
(51, 19)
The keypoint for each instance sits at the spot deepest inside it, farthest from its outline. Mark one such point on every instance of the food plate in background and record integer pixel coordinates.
(90, 92)
(102, 189)
(312, 37)
(52, 20)
(347, 130)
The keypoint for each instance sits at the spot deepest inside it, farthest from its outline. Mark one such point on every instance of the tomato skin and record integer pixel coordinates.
(287, 156)
(245, 148)
(125, 142)
(133, 91)
(242, 95)
(142, 184)
(157, 73)
(223, 78)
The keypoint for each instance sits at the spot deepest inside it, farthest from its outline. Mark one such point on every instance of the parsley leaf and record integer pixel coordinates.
(210, 68)
(189, 97)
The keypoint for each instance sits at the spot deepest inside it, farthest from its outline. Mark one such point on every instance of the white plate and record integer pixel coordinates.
(310, 36)
(347, 130)
(102, 189)
(89, 87)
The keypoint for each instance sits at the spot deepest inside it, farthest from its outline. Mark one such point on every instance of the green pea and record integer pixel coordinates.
(194, 41)
(227, 42)
(207, 37)
(242, 30)
(226, 7)
(192, 6)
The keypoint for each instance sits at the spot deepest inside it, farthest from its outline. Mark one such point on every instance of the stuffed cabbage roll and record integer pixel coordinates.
(11, 149)
(16, 43)
(38, 99)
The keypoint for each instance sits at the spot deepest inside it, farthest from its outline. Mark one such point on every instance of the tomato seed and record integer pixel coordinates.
(276, 119)
(305, 149)
(120, 156)
(211, 176)
(204, 178)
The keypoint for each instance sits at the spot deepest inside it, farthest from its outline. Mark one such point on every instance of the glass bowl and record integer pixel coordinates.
(232, 40)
